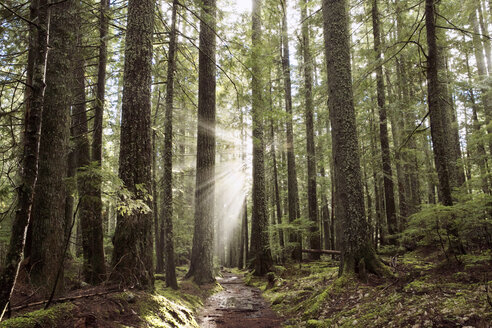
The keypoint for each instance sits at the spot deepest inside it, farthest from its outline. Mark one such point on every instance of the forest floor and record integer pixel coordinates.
(237, 306)
(427, 291)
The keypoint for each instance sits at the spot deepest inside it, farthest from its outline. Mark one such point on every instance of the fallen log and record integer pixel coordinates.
(322, 251)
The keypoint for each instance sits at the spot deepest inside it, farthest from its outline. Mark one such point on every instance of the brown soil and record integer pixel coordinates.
(237, 306)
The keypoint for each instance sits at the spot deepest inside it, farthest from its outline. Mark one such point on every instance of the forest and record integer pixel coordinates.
(245, 163)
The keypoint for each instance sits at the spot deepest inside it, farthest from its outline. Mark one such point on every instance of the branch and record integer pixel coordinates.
(19, 16)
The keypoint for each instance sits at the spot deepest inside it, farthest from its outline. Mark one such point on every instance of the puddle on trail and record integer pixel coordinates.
(237, 306)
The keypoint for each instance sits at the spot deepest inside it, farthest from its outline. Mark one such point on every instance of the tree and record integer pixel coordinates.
(167, 206)
(440, 130)
(389, 194)
(201, 266)
(260, 244)
(292, 188)
(38, 52)
(89, 209)
(314, 237)
(132, 260)
(48, 227)
(357, 252)
(96, 259)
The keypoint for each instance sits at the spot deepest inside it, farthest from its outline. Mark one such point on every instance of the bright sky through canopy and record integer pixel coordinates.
(243, 5)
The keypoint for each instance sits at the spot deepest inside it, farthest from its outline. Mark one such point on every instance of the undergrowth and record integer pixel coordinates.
(429, 292)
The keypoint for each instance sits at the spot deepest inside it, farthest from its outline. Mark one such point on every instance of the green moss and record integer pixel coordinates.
(159, 311)
(318, 323)
(41, 318)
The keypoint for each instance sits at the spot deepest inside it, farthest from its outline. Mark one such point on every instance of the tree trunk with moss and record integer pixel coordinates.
(260, 243)
(201, 266)
(48, 228)
(167, 197)
(87, 178)
(292, 189)
(389, 193)
(314, 236)
(96, 260)
(132, 260)
(357, 252)
(38, 51)
(440, 130)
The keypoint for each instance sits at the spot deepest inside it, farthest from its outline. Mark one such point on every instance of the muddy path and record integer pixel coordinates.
(237, 306)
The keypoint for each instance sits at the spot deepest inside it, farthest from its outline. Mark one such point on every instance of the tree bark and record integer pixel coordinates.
(389, 194)
(260, 243)
(292, 188)
(314, 234)
(201, 267)
(167, 206)
(356, 247)
(96, 259)
(48, 214)
(440, 131)
(132, 261)
(38, 52)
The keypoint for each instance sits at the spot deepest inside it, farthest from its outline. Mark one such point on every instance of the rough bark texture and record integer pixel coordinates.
(48, 213)
(314, 236)
(292, 189)
(158, 246)
(389, 193)
(38, 51)
(89, 207)
(277, 201)
(260, 246)
(356, 248)
(167, 197)
(96, 259)
(132, 261)
(440, 130)
(201, 267)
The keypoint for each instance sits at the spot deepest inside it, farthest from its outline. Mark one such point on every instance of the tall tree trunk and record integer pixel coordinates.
(357, 252)
(389, 194)
(38, 52)
(482, 72)
(292, 189)
(481, 154)
(243, 240)
(96, 259)
(201, 267)
(132, 261)
(80, 137)
(48, 214)
(260, 244)
(167, 206)
(277, 201)
(314, 235)
(440, 131)
(158, 245)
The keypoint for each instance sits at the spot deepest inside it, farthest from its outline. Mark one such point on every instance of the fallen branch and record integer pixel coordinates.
(63, 299)
(322, 251)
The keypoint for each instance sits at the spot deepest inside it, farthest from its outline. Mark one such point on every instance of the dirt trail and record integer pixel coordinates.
(237, 306)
